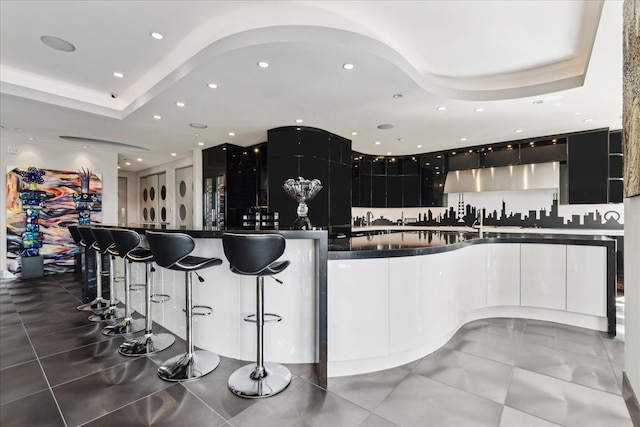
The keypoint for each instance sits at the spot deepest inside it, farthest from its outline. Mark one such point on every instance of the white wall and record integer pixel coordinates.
(632, 291)
(58, 156)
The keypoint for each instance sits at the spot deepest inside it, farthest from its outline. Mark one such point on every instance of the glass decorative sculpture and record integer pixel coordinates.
(302, 190)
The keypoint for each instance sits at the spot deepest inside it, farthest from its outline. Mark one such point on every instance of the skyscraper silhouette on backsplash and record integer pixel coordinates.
(468, 214)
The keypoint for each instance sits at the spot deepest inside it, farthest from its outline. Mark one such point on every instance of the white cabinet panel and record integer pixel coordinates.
(543, 275)
(358, 324)
(503, 274)
(587, 279)
(422, 299)
(470, 279)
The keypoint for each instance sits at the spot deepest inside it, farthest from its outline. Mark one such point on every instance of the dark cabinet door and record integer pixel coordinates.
(394, 191)
(379, 191)
(588, 165)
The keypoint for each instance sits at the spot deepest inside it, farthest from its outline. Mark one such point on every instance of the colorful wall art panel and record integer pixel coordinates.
(41, 204)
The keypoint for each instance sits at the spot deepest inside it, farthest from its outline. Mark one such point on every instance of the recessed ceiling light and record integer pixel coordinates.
(118, 75)
(157, 117)
(201, 143)
(441, 108)
(31, 138)
(588, 120)
(157, 36)
(439, 156)
(479, 110)
(354, 133)
(118, 166)
(518, 130)
(377, 142)
(397, 96)
(347, 66)
(58, 43)
(388, 153)
(263, 64)
(139, 160)
(232, 134)
(196, 134)
(173, 154)
(419, 146)
(198, 125)
(453, 153)
(298, 120)
(463, 139)
(85, 146)
(554, 140)
(180, 104)
(128, 163)
(212, 86)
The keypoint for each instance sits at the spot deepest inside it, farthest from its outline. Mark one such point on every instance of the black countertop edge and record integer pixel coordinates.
(556, 239)
(202, 233)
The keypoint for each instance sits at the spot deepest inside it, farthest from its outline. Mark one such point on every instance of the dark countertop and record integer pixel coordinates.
(396, 243)
(408, 243)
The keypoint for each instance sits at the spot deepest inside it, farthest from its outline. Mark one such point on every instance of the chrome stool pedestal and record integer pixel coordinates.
(171, 251)
(256, 255)
(127, 244)
(99, 304)
(105, 247)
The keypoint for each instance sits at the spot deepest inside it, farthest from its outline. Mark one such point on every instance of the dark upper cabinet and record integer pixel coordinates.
(411, 191)
(394, 191)
(543, 153)
(465, 160)
(365, 191)
(588, 167)
(379, 191)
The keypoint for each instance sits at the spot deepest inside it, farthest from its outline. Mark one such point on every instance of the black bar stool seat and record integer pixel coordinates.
(127, 243)
(171, 251)
(256, 255)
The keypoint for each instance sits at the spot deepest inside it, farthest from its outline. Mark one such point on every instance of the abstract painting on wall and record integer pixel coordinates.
(64, 198)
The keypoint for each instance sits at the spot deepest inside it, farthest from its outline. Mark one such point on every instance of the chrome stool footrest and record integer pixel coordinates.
(160, 298)
(247, 382)
(137, 287)
(268, 318)
(146, 344)
(187, 367)
(205, 310)
(125, 326)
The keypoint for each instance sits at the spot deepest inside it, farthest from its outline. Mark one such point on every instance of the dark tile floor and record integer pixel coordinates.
(57, 369)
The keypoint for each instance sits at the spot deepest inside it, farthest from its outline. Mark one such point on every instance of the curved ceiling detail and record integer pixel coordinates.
(101, 143)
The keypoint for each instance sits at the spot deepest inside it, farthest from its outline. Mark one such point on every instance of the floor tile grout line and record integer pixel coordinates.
(205, 403)
(44, 374)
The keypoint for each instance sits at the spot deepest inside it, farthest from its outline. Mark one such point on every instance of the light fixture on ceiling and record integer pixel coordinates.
(463, 139)
(418, 146)
(479, 110)
(518, 131)
(232, 134)
(212, 86)
(354, 133)
(397, 95)
(127, 163)
(377, 142)
(58, 43)
(588, 120)
(441, 108)
(298, 120)
(201, 143)
(31, 138)
(179, 104)
(196, 134)
(118, 166)
(263, 64)
(139, 160)
(198, 125)
(400, 139)
(156, 36)
(118, 74)
(385, 126)
(157, 117)
(347, 66)
(173, 154)
(388, 153)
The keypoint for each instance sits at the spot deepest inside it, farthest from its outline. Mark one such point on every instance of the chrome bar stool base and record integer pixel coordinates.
(97, 304)
(125, 326)
(146, 344)
(110, 314)
(187, 367)
(246, 382)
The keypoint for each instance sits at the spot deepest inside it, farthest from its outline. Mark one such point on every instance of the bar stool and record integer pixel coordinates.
(125, 323)
(256, 255)
(77, 239)
(106, 247)
(99, 304)
(171, 251)
(127, 243)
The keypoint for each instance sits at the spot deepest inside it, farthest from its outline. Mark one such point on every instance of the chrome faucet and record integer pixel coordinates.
(369, 216)
(478, 223)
